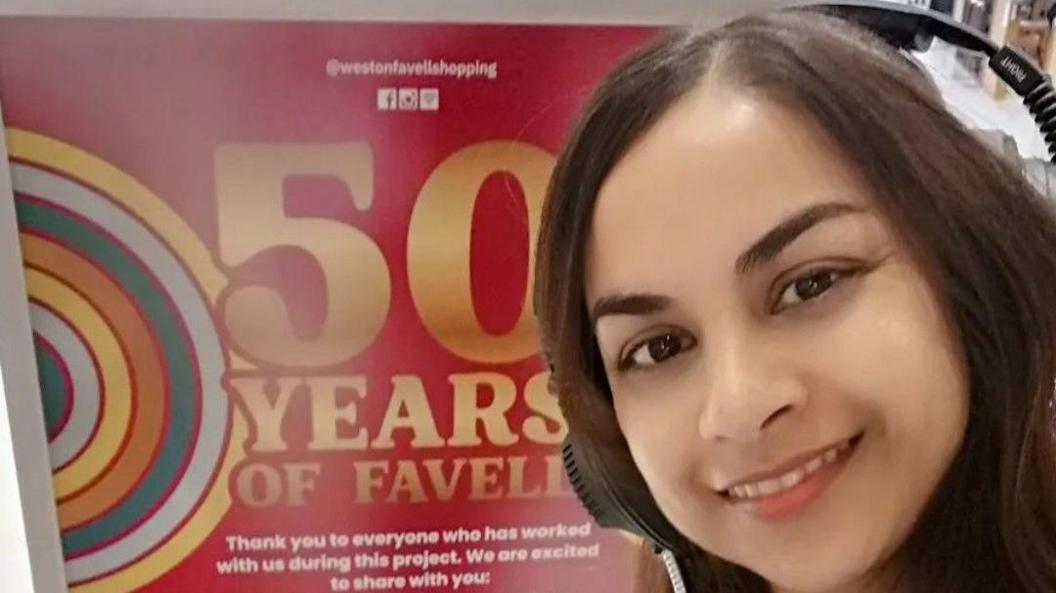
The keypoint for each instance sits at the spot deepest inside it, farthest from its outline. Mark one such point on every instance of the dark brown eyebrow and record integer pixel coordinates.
(770, 245)
(764, 250)
(628, 304)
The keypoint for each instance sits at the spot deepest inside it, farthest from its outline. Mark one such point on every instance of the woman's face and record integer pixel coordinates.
(783, 372)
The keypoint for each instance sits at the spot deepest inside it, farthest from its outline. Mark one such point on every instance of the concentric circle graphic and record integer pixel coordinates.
(80, 374)
(131, 366)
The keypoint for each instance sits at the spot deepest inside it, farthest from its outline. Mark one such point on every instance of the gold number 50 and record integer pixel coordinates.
(252, 220)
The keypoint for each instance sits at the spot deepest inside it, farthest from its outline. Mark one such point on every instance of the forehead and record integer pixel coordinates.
(716, 172)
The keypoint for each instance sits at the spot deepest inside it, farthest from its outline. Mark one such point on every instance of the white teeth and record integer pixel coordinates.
(792, 478)
(814, 465)
(771, 486)
(789, 479)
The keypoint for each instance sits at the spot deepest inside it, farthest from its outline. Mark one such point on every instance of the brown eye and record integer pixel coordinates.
(656, 350)
(805, 288)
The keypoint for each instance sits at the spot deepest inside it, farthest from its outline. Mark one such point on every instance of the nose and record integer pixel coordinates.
(749, 389)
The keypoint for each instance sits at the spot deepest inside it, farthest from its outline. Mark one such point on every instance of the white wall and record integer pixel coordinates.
(535, 11)
(30, 551)
(14, 562)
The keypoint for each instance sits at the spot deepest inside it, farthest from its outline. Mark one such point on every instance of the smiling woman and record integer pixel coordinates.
(793, 304)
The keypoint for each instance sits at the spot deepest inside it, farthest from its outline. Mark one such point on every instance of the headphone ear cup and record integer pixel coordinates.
(613, 505)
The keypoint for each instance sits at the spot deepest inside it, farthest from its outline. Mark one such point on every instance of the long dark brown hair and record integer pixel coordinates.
(976, 226)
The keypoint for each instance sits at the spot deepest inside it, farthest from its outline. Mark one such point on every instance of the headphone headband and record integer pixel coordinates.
(912, 28)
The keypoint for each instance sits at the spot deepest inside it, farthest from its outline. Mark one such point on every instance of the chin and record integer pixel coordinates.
(808, 579)
(811, 572)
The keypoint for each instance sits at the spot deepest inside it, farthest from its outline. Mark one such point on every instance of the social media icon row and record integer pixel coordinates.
(408, 99)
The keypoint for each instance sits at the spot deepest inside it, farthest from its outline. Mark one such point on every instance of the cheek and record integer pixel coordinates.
(638, 422)
(661, 433)
(667, 451)
(903, 377)
(657, 443)
(924, 418)
(911, 368)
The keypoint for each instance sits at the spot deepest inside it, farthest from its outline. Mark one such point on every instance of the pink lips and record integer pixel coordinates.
(795, 485)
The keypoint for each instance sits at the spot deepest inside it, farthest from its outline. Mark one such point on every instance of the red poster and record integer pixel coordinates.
(277, 277)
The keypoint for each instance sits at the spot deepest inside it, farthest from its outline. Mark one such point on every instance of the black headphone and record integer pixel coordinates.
(906, 28)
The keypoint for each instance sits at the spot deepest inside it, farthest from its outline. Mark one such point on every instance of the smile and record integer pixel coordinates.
(786, 491)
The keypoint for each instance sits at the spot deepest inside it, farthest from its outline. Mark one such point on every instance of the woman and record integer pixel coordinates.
(795, 302)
